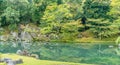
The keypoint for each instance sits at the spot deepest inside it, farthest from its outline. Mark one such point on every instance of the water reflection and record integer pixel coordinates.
(103, 54)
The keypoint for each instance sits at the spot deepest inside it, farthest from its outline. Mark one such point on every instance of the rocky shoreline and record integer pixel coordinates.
(27, 33)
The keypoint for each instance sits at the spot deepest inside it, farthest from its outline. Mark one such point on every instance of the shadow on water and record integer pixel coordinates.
(102, 54)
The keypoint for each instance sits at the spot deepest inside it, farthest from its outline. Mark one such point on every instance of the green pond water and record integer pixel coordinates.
(101, 54)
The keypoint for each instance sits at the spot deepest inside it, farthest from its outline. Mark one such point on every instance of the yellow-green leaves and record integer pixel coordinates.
(115, 8)
(56, 13)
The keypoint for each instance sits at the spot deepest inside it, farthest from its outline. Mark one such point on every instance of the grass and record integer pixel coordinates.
(33, 61)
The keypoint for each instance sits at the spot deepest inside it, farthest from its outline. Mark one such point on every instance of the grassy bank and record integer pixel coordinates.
(33, 61)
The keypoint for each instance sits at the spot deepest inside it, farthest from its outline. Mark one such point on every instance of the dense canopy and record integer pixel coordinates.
(63, 18)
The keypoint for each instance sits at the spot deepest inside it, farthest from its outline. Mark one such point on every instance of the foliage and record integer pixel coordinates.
(102, 28)
(115, 8)
(117, 40)
(53, 16)
(10, 17)
(96, 8)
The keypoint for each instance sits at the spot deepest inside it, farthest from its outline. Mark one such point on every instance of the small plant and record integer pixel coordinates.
(117, 40)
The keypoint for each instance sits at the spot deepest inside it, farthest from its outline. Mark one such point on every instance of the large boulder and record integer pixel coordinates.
(25, 36)
(9, 61)
(13, 36)
(30, 33)
(19, 52)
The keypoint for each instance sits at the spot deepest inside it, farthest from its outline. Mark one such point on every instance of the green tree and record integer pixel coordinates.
(100, 23)
(102, 28)
(10, 17)
(114, 12)
(55, 15)
(115, 8)
(96, 8)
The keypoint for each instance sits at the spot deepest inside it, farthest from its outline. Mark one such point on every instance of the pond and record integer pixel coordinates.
(102, 54)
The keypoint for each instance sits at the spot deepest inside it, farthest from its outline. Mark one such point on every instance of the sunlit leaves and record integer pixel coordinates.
(102, 28)
(115, 8)
(55, 15)
(56, 12)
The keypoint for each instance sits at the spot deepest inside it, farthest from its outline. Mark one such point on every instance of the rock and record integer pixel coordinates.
(34, 56)
(25, 53)
(26, 33)
(14, 36)
(14, 44)
(110, 46)
(25, 36)
(19, 52)
(4, 37)
(6, 60)
(9, 61)
(33, 34)
(19, 61)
